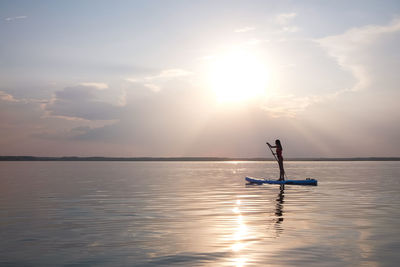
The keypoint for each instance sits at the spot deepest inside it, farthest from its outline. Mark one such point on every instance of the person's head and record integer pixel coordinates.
(278, 143)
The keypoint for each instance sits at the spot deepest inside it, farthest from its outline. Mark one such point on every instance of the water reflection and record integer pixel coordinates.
(239, 235)
(243, 237)
(127, 213)
(279, 210)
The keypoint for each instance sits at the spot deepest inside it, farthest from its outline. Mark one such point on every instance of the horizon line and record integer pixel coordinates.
(102, 158)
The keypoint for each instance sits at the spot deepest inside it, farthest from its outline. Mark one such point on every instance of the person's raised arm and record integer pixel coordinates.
(270, 145)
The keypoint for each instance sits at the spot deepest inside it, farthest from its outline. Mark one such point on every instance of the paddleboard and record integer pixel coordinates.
(307, 181)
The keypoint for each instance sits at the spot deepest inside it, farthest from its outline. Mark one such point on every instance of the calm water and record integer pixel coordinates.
(198, 214)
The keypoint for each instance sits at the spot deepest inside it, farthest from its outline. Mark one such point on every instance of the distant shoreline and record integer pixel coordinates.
(33, 158)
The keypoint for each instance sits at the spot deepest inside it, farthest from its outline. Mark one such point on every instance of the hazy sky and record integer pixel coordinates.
(199, 78)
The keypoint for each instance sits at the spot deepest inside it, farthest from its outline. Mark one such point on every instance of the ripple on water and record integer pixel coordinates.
(198, 214)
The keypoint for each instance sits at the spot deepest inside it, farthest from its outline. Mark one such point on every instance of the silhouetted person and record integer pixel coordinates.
(278, 147)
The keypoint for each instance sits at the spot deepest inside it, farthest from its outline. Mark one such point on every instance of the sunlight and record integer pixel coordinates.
(240, 262)
(239, 236)
(241, 230)
(237, 76)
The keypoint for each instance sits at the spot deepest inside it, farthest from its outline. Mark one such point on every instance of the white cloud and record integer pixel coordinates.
(100, 86)
(245, 29)
(132, 80)
(174, 73)
(153, 87)
(170, 73)
(284, 18)
(291, 29)
(164, 74)
(353, 48)
(285, 22)
(156, 82)
(15, 18)
(7, 97)
(10, 98)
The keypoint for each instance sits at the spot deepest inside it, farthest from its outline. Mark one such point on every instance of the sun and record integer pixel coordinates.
(238, 76)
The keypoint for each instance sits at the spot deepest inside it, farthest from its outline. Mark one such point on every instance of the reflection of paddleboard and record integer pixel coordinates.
(307, 181)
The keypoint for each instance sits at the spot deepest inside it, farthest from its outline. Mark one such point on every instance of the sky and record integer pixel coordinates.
(200, 78)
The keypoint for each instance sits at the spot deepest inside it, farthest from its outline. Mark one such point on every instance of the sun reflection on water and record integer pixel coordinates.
(240, 262)
(239, 235)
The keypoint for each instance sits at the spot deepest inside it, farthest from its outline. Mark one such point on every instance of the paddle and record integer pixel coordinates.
(272, 152)
(276, 158)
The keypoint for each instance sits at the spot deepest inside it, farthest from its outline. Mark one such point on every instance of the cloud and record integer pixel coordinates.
(156, 82)
(82, 102)
(15, 18)
(365, 112)
(153, 120)
(11, 98)
(170, 73)
(132, 80)
(285, 22)
(162, 75)
(290, 29)
(181, 118)
(328, 68)
(7, 97)
(284, 18)
(354, 50)
(99, 86)
(153, 87)
(245, 29)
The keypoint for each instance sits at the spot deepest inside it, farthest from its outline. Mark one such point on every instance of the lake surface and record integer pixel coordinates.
(198, 214)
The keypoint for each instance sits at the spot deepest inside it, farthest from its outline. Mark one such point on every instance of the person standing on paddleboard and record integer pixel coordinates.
(279, 149)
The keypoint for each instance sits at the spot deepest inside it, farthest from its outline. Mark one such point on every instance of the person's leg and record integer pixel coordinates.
(281, 170)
